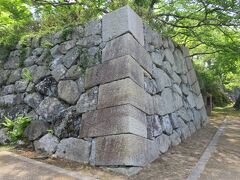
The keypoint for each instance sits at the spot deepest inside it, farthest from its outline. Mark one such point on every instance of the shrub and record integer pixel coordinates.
(16, 127)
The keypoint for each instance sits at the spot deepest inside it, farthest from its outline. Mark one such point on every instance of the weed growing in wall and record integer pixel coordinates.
(16, 127)
(26, 74)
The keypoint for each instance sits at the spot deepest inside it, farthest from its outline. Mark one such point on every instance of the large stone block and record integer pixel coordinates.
(115, 120)
(127, 45)
(74, 149)
(164, 104)
(122, 21)
(162, 79)
(192, 77)
(124, 92)
(116, 69)
(125, 150)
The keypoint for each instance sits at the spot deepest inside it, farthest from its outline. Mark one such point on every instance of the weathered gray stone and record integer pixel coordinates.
(157, 57)
(167, 68)
(191, 127)
(199, 101)
(74, 73)
(196, 88)
(45, 58)
(89, 41)
(21, 85)
(162, 79)
(166, 125)
(47, 87)
(163, 142)
(121, 21)
(4, 138)
(66, 46)
(124, 149)
(35, 130)
(127, 45)
(58, 72)
(169, 56)
(11, 100)
(88, 100)
(185, 132)
(124, 92)
(68, 91)
(157, 128)
(175, 120)
(47, 143)
(71, 57)
(197, 119)
(33, 100)
(74, 149)
(175, 138)
(29, 61)
(182, 112)
(8, 89)
(116, 69)
(190, 99)
(37, 51)
(50, 108)
(176, 78)
(177, 89)
(161, 103)
(192, 77)
(13, 60)
(150, 85)
(93, 27)
(152, 38)
(38, 72)
(14, 76)
(115, 120)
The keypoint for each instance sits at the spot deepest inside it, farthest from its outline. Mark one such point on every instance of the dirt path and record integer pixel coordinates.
(176, 164)
(225, 162)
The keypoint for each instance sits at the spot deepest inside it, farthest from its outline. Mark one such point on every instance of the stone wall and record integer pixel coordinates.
(114, 92)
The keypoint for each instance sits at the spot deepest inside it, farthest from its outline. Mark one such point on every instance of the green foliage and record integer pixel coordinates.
(211, 84)
(23, 53)
(47, 44)
(50, 131)
(66, 32)
(16, 127)
(26, 74)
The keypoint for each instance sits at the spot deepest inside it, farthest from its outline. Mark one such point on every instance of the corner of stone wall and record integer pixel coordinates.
(119, 125)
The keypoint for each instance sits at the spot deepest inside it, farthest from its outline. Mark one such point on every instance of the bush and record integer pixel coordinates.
(16, 127)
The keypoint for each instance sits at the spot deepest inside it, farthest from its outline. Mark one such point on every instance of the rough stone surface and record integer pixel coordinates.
(74, 149)
(115, 120)
(127, 45)
(50, 108)
(33, 100)
(126, 150)
(124, 92)
(166, 125)
(68, 91)
(116, 69)
(161, 103)
(4, 138)
(58, 72)
(35, 130)
(47, 143)
(88, 100)
(163, 142)
(47, 87)
(122, 21)
(162, 79)
(175, 138)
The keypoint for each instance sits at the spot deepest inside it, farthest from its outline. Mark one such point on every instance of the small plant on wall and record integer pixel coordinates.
(16, 127)
(26, 74)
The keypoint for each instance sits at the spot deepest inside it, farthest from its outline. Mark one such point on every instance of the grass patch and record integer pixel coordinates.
(6, 147)
(226, 111)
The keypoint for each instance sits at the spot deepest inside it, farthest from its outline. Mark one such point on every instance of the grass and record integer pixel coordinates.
(6, 147)
(226, 111)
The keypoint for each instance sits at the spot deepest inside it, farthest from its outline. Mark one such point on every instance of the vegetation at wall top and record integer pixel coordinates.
(210, 28)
